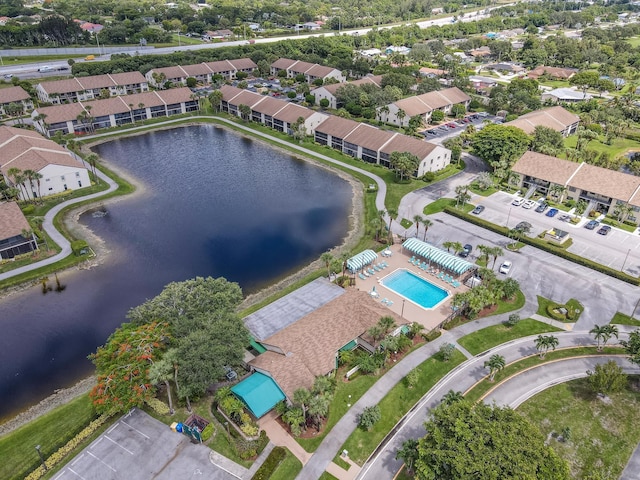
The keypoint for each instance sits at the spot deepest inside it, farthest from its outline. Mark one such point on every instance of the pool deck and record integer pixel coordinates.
(430, 318)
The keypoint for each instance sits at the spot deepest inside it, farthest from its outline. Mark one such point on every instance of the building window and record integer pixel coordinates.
(65, 186)
(77, 174)
(79, 183)
(47, 179)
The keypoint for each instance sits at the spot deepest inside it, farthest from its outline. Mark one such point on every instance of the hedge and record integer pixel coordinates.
(269, 466)
(546, 246)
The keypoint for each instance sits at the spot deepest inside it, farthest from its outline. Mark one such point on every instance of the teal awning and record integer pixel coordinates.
(349, 346)
(360, 260)
(258, 347)
(259, 392)
(440, 257)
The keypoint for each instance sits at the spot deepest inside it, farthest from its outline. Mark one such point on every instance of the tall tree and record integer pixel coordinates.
(418, 220)
(544, 343)
(494, 364)
(426, 223)
(123, 363)
(327, 258)
(404, 164)
(500, 145)
(484, 442)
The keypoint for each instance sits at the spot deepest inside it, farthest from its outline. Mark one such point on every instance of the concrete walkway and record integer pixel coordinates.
(632, 470)
(280, 437)
(554, 323)
(55, 235)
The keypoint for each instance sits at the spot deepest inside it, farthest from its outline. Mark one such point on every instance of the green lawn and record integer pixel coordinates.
(476, 392)
(327, 476)
(396, 404)
(572, 305)
(619, 146)
(483, 340)
(504, 306)
(622, 319)
(288, 469)
(356, 388)
(51, 431)
(603, 435)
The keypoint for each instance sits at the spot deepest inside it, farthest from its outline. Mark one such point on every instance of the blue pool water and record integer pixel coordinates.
(413, 288)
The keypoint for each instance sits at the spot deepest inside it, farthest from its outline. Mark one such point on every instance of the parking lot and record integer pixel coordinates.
(140, 447)
(439, 133)
(619, 249)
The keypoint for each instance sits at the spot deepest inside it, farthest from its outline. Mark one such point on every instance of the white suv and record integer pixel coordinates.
(517, 202)
(529, 204)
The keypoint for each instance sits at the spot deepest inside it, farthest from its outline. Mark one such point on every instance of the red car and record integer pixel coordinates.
(451, 125)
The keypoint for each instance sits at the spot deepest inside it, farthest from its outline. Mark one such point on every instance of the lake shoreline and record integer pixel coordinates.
(103, 253)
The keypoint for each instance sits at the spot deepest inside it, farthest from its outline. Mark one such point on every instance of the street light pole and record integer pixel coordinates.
(508, 217)
(402, 312)
(44, 465)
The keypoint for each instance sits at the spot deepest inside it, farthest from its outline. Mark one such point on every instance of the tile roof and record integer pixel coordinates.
(369, 80)
(268, 106)
(556, 118)
(13, 94)
(369, 137)
(557, 72)
(171, 73)
(243, 63)
(310, 345)
(283, 63)
(427, 102)
(60, 113)
(403, 143)
(291, 112)
(12, 221)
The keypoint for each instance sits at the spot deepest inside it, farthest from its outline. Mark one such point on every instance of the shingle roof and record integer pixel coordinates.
(337, 126)
(268, 106)
(13, 94)
(92, 82)
(369, 137)
(243, 63)
(12, 221)
(545, 167)
(556, 72)
(30, 151)
(556, 118)
(402, 143)
(370, 80)
(283, 63)
(291, 112)
(427, 102)
(310, 345)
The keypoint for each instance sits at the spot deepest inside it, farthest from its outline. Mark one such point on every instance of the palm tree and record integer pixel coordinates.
(604, 333)
(29, 175)
(494, 364)
(384, 110)
(452, 397)
(448, 245)
(495, 252)
(457, 247)
(18, 179)
(327, 258)
(401, 114)
(544, 343)
(376, 224)
(426, 223)
(387, 323)
(302, 396)
(245, 111)
(556, 191)
(485, 251)
(344, 256)
(37, 176)
(408, 453)
(91, 160)
(161, 371)
(418, 220)
(393, 214)
(319, 408)
(215, 98)
(462, 195)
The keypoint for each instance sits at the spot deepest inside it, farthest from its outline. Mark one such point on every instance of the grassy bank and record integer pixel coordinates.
(400, 399)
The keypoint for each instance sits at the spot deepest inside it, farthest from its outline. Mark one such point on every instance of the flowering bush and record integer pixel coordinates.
(157, 406)
(63, 452)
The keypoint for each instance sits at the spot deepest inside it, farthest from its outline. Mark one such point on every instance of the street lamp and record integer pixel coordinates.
(44, 465)
(625, 260)
(508, 217)
(402, 312)
(226, 424)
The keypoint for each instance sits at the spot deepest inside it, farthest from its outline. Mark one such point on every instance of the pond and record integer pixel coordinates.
(210, 203)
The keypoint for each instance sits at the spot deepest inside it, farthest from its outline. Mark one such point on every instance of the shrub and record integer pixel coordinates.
(78, 247)
(429, 177)
(324, 103)
(310, 99)
(269, 466)
(158, 406)
(28, 209)
(446, 350)
(207, 432)
(369, 417)
(249, 429)
(514, 318)
(432, 335)
(191, 82)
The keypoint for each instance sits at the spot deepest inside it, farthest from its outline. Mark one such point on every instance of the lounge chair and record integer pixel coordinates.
(384, 300)
(361, 276)
(384, 264)
(440, 275)
(371, 271)
(455, 284)
(411, 260)
(389, 303)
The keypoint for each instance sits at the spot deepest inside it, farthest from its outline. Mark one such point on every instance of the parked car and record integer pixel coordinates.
(451, 125)
(466, 250)
(604, 230)
(552, 212)
(505, 267)
(46, 68)
(592, 225)
(565, 218)
(524, 226)
(478, 210)
(529, 204)
(517, 202)
(432, 132)
(8, 75)
(541, 207)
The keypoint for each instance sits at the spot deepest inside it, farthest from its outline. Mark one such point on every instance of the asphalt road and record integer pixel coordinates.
(383, 463)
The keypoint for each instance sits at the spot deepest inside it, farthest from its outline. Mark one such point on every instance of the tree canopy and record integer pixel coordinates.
(500, 146)
(484, 442)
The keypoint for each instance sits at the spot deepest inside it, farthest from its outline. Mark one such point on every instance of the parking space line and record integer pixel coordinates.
(77, 459)
(105, 464)
(96, 442)
(60, 475)
(125, 449)
(77, 474)
(134, 428)
(113, 428)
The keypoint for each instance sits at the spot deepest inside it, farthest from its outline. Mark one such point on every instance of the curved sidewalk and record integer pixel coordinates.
(64, 244)
(55, 235)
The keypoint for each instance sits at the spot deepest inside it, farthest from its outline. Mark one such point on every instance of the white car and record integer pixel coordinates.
(505, 267)
(529, 204)
(517, 202)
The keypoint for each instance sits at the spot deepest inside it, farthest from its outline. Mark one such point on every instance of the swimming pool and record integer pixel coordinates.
(415, 289)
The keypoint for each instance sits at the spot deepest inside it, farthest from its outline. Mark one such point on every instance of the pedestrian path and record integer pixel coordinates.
(259, 461)
(227, 465)
(342, 474)
(555, 323)
(632, 470)
(279, 436)
(464, 351)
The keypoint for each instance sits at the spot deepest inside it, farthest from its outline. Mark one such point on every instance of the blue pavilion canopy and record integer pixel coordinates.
(361, 260)
(435, 255)
(259, 392)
